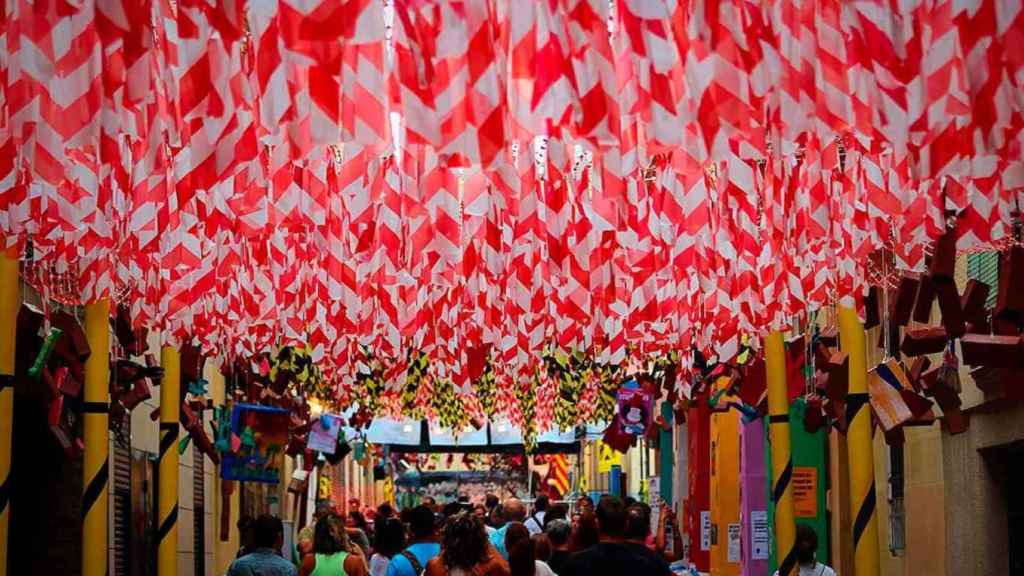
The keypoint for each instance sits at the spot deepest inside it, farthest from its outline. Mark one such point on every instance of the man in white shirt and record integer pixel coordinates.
(535, 523)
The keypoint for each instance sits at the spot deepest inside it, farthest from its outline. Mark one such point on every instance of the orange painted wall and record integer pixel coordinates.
(725, 489)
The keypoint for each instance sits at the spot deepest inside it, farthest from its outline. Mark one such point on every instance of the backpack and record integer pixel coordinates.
(416, 566)
(536, 521)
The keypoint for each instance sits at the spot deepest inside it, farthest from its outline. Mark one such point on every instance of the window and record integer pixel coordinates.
(141, 553)
(984, 267)
(897, 519)
(199, 511)
(122, 500)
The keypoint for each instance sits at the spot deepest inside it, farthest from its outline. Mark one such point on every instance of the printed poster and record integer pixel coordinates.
(805, 491)
(759, 535)
(655, 520)
(654, 492)
(705, 530)
(734, 543)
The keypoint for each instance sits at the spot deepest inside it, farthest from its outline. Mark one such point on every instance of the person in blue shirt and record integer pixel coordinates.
(413, 560)
(265, 559)
(514, 511)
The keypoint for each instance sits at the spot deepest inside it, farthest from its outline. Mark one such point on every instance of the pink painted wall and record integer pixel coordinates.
(753, 493)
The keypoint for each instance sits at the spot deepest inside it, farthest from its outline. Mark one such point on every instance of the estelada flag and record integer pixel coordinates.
(558, 476)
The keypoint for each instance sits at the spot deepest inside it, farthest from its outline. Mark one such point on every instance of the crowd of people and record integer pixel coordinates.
(493, 538)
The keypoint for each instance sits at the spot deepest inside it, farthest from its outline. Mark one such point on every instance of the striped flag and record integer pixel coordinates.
(558, 476)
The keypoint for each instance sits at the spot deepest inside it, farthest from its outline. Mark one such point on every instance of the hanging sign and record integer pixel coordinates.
(805, 491)
(635, 406)
(323, 436)
(262, 433)
(759, 539)
(323, 485)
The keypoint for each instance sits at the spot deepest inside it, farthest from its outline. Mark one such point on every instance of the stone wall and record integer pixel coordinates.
(976, 522)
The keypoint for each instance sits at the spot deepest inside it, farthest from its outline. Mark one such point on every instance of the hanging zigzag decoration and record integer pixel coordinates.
(413, 379)
(485, 390)
(609, 381)
(448, 406)
(567, 371)
(605, 176)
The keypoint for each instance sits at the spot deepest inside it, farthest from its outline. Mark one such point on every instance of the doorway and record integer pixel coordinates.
(1006, 465)
(45, 531)
(1015, 508)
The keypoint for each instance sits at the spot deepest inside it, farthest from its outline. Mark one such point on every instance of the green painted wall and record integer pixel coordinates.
(666, 455)
(809, 450)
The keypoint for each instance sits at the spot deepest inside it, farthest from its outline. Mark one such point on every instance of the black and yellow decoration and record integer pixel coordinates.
(526, 397)
(414, 378)
(486, 389)
(859, 442)
(609, 379)
(448, 406)
(9, 302)
(167, 496)
(370, 385)
(95, 465)
(570, 374)
(294, 365)
(781, 452)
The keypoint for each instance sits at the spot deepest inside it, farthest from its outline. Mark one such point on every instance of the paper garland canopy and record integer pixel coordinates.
(482, 181)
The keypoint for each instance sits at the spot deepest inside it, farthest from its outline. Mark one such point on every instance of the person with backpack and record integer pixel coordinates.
(413, 560)
(331, 556)
(535, 523)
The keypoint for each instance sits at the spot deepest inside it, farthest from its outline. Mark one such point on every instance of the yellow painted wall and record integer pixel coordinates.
(923, 503)
(924, 499)
(223, 551)
(725, 488)
(841, 521)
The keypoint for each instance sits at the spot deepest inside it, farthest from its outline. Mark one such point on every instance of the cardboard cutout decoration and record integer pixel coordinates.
(263, 431)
